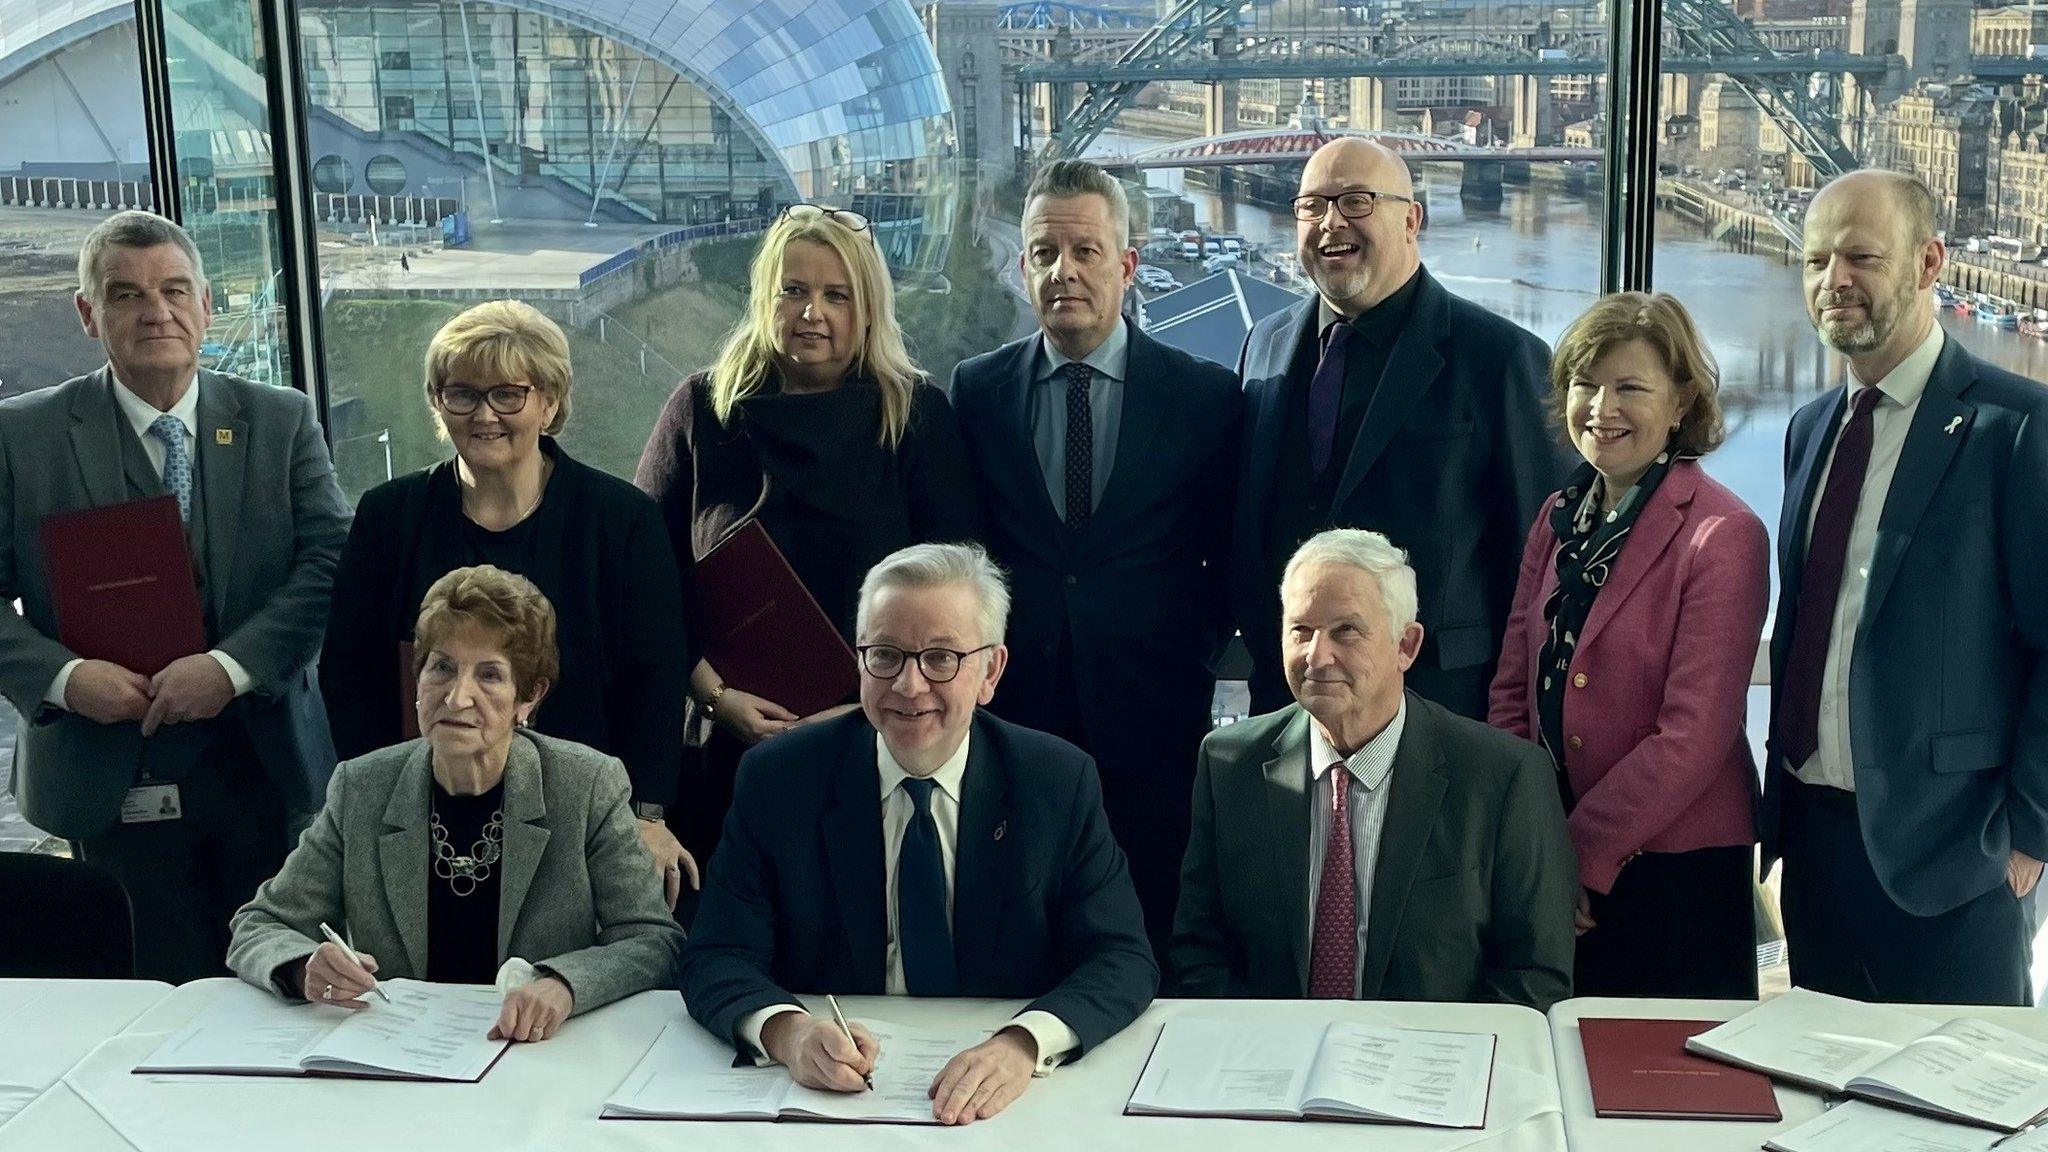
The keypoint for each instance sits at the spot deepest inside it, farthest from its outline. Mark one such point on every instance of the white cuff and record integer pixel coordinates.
(1055, 1040)
(750, 1032)
(55, 695)
(238, 676)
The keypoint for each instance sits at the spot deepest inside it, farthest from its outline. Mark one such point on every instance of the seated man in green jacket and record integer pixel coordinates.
(1441, 870)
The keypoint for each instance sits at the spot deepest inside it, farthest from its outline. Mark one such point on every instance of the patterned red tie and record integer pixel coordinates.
(1333, 954)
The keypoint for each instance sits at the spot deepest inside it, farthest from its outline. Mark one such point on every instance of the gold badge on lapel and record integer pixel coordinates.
(223, 435)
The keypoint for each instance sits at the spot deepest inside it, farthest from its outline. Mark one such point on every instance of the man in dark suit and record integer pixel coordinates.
(1440, 869)
(917, 847)
(1388, 403)
(1907, 778)
(1107, 461)
(232, 738)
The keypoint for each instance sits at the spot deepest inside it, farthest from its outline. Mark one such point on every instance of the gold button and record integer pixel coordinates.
(1576, 743)
(1579, 681)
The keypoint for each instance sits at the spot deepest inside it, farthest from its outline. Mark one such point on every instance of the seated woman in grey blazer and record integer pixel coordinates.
(481, 841)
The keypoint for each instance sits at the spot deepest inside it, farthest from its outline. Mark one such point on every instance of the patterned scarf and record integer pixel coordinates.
(1589, 541)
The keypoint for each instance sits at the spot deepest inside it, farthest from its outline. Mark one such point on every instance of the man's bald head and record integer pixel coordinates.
(1870, 256)
(1358, 262)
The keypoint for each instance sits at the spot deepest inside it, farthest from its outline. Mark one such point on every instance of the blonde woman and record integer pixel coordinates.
(497, 387)
(814, 421)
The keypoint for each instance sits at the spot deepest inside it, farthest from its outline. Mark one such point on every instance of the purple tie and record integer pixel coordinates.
(1326, 395)
(1333, 953)
(1820, 586)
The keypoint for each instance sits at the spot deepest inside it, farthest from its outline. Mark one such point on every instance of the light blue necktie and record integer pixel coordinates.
(177, 461)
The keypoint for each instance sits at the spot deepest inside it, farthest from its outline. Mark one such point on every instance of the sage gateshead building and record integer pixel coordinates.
(628, 111)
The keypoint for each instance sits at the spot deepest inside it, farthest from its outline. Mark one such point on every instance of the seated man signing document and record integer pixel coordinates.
(920, 848)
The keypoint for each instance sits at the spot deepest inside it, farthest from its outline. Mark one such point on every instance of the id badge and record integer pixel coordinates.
(149, 803)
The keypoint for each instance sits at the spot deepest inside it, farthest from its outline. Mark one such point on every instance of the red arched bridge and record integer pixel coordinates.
(1284, 145)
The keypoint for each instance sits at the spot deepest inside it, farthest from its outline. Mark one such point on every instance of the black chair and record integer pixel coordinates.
(61, 919)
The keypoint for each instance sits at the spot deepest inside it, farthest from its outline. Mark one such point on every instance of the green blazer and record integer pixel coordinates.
(1473, 894)
(579, 896)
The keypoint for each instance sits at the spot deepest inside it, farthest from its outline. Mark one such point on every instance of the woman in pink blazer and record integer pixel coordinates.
(1628, 654)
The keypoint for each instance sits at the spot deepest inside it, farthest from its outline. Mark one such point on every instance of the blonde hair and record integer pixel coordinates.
(501, 342)
(746, 360)
(503, 605)
(1660, 319)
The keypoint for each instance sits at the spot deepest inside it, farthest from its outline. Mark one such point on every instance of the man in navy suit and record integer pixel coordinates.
(1387, 403)
(919, 848)
(1907, 786)
(1107, 461)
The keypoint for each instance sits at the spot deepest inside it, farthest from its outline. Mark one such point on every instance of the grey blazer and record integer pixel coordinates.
(579, 896)
(274, 521)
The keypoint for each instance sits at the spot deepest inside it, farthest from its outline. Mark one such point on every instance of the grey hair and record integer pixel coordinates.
(1064, 178)
(937, 565)
(1372, 552)
(131, 229)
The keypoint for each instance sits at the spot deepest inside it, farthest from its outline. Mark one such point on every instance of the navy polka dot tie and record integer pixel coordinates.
(1080, 446)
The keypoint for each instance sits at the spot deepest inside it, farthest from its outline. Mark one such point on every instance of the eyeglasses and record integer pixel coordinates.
(939, 665)
(852, 221)
(1350, 205)
(461, 399)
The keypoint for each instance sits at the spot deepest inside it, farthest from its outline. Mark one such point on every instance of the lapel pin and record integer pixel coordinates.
(223, 435)
(1954, 422)
(1002, 828)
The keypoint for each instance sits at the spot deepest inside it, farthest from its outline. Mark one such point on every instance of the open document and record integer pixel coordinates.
(1315, 1071)
(689, 1075)
(1860, 1127)
(427, 1032)
(1965, 1070)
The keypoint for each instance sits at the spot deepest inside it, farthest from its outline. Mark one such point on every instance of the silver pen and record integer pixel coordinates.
(867, 1078)
(336, 940)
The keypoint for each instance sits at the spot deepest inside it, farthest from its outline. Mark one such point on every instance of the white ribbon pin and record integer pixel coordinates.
(1954, 422)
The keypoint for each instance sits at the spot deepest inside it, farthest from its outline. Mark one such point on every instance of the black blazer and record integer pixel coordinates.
(1948, 693)
(1452, 458)
(1140, 592)
(602, 558)
(1042, 901)
(1471, 899)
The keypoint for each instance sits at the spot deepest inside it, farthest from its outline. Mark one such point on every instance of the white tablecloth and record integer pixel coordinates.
(1589, 1133)
(46, 1026)
(548, 1095)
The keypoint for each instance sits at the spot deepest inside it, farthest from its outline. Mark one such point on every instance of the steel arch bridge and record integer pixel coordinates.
(1277, 146)
(1048, 15)
(1706, 35)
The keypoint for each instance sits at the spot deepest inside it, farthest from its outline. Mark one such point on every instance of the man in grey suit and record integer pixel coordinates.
(231, 738)
(1906, 785)
(1440, 869)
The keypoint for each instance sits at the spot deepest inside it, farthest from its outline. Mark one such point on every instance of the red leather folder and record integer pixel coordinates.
(1640, 1070)
(760, 628)
(121, 581)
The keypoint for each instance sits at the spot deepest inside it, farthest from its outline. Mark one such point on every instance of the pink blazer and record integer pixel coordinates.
(1653, 719)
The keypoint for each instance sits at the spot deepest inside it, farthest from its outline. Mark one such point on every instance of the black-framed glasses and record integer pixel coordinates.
(504, 399)
(939, 665)
(852, 221)
(1350, 205)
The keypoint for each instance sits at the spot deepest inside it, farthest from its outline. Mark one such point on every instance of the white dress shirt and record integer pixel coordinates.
(1902, 387)
(1368, 770)
(1055, 1040)
(141, 414)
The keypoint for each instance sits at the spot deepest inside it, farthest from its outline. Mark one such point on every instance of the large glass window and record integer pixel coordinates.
(612, 175)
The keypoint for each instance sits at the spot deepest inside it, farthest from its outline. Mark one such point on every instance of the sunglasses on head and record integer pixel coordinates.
(852, 221)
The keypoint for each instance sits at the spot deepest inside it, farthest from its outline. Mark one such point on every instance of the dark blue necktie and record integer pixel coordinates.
(1326, 397)
(924, 932)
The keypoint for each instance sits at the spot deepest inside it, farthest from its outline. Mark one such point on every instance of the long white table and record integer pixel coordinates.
(46, 1026)
(547, 1095)
(1589, 1133)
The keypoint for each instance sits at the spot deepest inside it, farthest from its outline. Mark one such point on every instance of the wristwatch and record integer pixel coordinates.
(647, 811)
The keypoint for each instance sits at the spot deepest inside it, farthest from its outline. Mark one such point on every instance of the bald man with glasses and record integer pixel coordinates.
(1387, 403)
